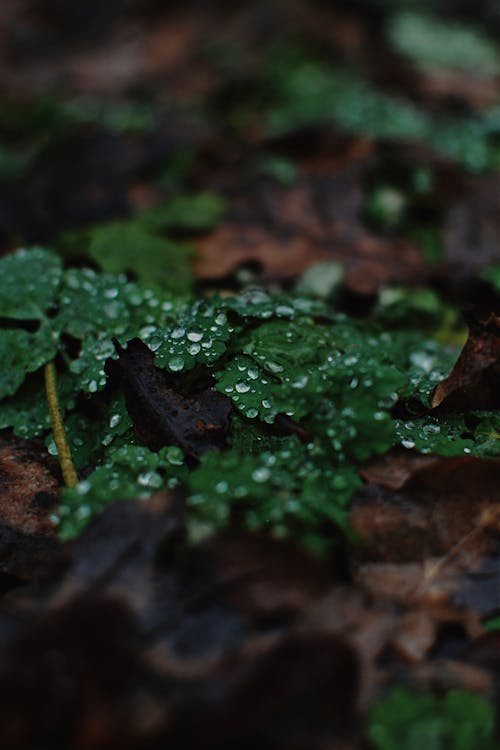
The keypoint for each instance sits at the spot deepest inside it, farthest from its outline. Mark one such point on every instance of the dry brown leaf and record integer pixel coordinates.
(474, 382)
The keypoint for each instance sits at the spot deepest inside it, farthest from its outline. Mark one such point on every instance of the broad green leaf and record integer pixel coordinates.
(27, 411)
(292, 491)
(29, 281)
(126, 246)
(198, 334)
(131, 471)
(446, 435)
(21, 353)
(89, 438)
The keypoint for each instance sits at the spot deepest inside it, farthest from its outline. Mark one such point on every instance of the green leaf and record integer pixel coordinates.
(198, 334)
(191, 213)
(434, 44)
(492, 624)
(459, 720)
(21, 353)
(131, 471)
(29, 281)
(126, 246)
(88, 437)
(446, 435)
(27, 411)
(291, 491)
(309, 91)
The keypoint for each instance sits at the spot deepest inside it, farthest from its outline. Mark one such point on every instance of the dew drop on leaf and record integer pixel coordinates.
(176, 363)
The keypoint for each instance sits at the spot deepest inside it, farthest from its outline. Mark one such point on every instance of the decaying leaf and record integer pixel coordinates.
(285, 230)
(29, 489)
(431, 535)
(474, 381)
(161, 415)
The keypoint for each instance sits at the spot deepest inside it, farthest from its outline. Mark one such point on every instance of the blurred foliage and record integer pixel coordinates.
(459, 720)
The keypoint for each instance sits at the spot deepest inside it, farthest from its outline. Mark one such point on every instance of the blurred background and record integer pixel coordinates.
(365, 132)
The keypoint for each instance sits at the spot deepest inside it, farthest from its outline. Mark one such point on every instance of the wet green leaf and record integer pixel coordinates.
(291, 491)
(131, 471)
(21, 353)
(29, 281)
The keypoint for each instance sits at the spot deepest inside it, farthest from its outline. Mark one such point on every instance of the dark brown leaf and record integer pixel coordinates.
(29, 489)
(161, 415)
(284, 230)
(433, 538)
(474, 382)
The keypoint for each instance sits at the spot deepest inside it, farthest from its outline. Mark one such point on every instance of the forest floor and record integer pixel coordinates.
(257, 249)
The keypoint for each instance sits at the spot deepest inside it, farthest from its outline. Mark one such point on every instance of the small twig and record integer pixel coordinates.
(68, 470)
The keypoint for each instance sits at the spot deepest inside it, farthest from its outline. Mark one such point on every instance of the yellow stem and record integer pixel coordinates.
(68, 470)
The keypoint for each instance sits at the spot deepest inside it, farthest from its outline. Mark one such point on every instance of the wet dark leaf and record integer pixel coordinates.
(161, 415)
(474, 381)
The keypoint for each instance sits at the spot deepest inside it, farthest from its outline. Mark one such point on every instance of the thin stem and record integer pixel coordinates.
(68, 470)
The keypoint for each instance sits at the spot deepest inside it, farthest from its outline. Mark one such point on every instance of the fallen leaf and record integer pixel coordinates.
(425, 539)
(474, 381)
(284, 230)
(29, 487)
(161, 415)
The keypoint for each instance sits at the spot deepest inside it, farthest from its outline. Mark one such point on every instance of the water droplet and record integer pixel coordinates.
(221, 487)
(176, 363)
(266, 404)
(251, 413)
(261, 475)
(83, 512)
(155, 343)
(149, 479)
(252, 374)
(194, 349)
(284, 310)
(195, 336)
(300, 382)
(242, 386)
(178, 333)
(115, 420)
(274, 367)
(408, 443)
(431, 429)
(351, 360)
(93, 386)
